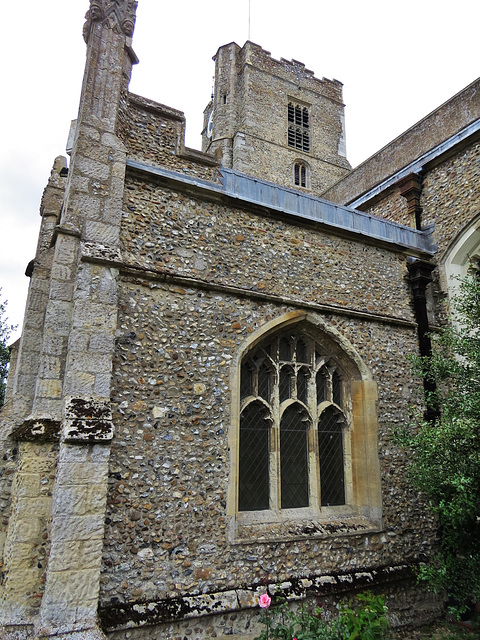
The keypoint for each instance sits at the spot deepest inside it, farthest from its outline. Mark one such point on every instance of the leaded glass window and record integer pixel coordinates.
(330, 447)
(294, 457)
(253, 488)
(336, 389)
(285, 386)
(302, 385)
(292, 426)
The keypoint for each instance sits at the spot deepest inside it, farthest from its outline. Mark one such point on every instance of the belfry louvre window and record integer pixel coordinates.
(298, 127)
(292, 426)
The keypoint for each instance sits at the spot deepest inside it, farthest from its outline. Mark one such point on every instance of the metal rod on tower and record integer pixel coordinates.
(249, 5)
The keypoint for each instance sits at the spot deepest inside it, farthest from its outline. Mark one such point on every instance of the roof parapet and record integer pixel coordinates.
(339, 219)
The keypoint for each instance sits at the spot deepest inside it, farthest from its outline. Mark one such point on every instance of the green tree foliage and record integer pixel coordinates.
(444, 458)
(5, 330)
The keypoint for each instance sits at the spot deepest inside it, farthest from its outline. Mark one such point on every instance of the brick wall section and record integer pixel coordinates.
(445, 121)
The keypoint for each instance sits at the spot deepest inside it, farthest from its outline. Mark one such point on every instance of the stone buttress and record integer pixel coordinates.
(61, 415)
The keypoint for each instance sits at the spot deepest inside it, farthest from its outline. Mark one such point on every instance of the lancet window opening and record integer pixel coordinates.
(300, 174)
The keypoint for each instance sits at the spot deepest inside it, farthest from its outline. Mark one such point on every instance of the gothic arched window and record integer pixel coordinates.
(293, 420)
(462, 258)
(300, 174)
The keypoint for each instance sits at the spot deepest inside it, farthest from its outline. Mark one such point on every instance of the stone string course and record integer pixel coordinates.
(326, 591)
(412, 605)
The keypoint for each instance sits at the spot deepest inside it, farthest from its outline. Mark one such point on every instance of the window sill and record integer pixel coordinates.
(299, 524)
(299, 187)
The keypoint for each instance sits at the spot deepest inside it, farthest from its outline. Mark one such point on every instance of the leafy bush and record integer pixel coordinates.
(367, 621)
(444, 454)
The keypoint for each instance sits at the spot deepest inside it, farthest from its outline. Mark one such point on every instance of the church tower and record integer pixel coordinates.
(275, 120)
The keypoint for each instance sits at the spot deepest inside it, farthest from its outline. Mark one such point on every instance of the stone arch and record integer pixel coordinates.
(336, 340)
(460, 256)
(362, 468)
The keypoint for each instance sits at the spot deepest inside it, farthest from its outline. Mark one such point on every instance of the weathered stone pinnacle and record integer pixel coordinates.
(117, 14)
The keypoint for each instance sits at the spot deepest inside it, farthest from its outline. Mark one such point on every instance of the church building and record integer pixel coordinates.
(213, 356)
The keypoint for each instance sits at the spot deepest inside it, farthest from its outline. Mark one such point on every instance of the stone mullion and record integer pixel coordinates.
(314, 466)
(275, 444)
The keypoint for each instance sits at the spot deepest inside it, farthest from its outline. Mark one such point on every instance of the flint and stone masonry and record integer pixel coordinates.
(160, 270)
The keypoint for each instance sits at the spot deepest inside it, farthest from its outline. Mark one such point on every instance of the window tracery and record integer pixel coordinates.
(293, 421)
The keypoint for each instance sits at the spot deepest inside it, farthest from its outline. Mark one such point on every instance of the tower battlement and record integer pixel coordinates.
(274, 119)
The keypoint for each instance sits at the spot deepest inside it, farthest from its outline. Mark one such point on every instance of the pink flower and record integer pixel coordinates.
(265, 601)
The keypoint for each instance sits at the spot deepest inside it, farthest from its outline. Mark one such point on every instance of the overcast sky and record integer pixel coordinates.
(397, 60)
